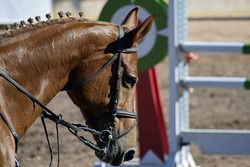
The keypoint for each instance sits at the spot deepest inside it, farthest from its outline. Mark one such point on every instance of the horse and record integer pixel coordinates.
(94, 61)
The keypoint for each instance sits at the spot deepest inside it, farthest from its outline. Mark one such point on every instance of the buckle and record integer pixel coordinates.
(106, 136)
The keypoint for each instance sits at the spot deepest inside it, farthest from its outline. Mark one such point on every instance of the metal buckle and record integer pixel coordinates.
(106, 136)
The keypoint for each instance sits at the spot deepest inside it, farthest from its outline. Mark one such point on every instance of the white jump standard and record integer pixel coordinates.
(213, 141)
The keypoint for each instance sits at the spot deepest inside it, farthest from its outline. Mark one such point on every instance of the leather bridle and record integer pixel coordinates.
(107, 135)
(109, 132)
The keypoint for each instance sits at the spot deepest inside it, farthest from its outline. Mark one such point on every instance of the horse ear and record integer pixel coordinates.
(139, 32)
(131, 19)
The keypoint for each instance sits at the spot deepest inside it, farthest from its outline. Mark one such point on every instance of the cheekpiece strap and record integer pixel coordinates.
(120, 44)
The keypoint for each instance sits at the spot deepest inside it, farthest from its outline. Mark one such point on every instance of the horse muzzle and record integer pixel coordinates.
(115, 154)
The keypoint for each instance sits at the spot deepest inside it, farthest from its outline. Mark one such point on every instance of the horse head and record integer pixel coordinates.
(95, 62)
(97, 97)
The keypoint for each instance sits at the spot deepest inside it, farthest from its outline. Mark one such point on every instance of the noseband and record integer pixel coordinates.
(107, 135)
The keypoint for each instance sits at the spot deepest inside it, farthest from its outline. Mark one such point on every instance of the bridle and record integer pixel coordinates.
(108, 134)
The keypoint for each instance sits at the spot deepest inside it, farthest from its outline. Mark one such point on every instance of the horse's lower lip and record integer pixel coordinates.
(114, 159)
(113, 156)
(109, 158)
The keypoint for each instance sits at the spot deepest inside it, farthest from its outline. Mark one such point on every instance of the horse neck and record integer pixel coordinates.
(40, 61)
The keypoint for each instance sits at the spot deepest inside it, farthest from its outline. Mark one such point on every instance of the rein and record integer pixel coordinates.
(14, 134)
(107, 135)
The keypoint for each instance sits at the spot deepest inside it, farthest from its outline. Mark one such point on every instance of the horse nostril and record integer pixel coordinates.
(129, 155)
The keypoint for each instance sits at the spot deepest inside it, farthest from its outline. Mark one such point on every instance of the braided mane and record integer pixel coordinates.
(41, 24)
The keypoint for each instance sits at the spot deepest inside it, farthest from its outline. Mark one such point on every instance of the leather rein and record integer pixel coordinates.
(107, 135)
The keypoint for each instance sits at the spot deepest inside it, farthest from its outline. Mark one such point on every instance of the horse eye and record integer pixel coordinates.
(129, 81)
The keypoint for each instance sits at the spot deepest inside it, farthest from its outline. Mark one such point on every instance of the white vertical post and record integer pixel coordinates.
(173, 84)
(174, 78)
(178, 69)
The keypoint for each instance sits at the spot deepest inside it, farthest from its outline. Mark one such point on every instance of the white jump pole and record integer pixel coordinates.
(219, 141)
(216, 82)
(231, 48)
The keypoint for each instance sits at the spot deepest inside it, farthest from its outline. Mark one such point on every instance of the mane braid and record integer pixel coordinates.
(40, 24)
